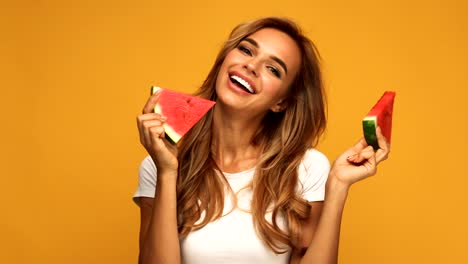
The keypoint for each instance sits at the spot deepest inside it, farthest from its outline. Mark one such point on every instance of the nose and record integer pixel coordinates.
(251, 66)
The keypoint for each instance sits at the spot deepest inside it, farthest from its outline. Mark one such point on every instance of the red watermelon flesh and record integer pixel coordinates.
(380, 115)
(183, 111)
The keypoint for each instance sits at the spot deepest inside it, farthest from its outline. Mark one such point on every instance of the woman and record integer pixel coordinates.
(246, 185)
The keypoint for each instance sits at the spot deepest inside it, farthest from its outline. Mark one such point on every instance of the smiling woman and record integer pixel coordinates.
(259, 66)
(246, 184)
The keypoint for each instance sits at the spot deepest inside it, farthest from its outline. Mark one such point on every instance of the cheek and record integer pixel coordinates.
(274, 85)
(235, 56)
(228, 60)
(221, 73)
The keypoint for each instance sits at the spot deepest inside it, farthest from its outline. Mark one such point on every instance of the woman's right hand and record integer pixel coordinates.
(360, 161)
(152, 137)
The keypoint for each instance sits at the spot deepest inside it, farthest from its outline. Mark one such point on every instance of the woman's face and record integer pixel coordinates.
(255, 76)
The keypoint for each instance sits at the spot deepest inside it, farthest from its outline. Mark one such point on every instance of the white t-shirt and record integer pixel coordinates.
(232, 238)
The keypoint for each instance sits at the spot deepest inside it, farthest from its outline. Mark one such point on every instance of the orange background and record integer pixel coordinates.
(74, 75)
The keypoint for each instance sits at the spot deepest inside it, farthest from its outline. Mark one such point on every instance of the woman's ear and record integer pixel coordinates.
(280, 106)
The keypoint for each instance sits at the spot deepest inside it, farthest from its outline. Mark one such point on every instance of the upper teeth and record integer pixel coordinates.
(243, 82)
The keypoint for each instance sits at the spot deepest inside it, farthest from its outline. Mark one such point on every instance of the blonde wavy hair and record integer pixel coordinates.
(283, 141)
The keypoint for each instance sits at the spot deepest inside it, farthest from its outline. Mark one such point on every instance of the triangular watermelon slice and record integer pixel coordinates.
(183, 111)
(380, 115)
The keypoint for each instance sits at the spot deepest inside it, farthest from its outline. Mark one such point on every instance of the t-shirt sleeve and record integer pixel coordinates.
(313, 175)
(146, 180)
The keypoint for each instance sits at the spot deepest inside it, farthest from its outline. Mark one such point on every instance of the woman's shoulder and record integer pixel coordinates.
(147, 171)
(313, 174)
(313, 157)
(147, 164)
(146, 180)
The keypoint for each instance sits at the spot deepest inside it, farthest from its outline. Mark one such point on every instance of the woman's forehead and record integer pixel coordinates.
(279, 44)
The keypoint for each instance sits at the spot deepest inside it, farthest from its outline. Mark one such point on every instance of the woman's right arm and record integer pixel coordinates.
(355, 164)
(159, 243)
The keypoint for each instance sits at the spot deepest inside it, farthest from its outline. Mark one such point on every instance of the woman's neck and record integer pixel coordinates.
(232, 145)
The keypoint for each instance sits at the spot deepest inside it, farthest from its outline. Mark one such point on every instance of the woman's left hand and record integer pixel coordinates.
(359, 161)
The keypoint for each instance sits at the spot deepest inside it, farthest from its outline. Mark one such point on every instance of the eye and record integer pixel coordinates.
(244, 50)
(274, 71)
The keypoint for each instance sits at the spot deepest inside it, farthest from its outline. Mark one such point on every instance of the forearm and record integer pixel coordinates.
(162, 239)
(323, 248)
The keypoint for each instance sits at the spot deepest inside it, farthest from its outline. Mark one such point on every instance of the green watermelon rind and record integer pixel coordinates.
(369, 126)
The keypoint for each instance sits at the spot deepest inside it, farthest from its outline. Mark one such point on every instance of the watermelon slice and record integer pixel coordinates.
(380, 115)
(183, 111)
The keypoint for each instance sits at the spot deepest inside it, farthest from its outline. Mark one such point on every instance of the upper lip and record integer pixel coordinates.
(245, 78)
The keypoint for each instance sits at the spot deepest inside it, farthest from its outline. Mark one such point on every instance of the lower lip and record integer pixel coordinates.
(236, 88)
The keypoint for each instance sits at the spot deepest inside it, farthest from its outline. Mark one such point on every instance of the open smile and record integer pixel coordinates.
(242, 83)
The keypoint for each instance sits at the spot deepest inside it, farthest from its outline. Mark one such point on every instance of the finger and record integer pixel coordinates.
(151, 116)
(360, 145)
(157, 137)
(152, 123)
(371, 164)
(148, 125)
(368, 161)
(144, 122)
(141, 119)
(151, 103)
(141, 131)
(384, 148)
(363, 155)
(367, 153)
(156, 132)
(351, 153)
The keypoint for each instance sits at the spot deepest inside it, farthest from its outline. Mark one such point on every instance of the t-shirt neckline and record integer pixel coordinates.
(234, 175)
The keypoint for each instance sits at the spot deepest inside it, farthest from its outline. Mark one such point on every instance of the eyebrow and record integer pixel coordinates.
(278, 60)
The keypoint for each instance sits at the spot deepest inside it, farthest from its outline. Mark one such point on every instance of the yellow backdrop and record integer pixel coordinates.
(74, 75)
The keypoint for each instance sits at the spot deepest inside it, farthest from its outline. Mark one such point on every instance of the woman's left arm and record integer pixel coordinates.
(355, 164)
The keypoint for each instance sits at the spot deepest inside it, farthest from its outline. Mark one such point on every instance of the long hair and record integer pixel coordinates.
(283, 140)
